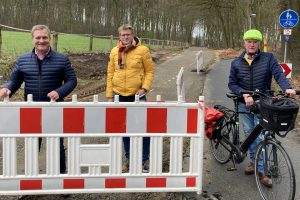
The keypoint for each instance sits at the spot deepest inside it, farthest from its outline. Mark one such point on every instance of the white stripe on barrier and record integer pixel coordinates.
(177, 122)
(93, 115)
(6, 117)
(137, 122)
(51, 116)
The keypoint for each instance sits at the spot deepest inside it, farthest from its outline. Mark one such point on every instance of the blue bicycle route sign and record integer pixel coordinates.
(288, 19)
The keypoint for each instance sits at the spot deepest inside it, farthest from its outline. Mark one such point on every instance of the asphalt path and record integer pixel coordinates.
(235, 185)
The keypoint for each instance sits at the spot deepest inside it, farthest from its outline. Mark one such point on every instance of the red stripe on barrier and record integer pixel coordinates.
(30, 120)
(115, 183)
(31, 184)
(115, 120)
(73, 183)
(192, 121)
(73, 120)
(191, 182)
(156, 120)
(156, 182)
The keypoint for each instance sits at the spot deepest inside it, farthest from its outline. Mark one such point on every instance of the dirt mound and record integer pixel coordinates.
(89, 65)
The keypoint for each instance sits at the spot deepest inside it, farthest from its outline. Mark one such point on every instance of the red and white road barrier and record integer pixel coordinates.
(113, 120)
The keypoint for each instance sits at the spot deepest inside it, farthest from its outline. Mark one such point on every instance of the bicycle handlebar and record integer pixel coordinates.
(268, 93)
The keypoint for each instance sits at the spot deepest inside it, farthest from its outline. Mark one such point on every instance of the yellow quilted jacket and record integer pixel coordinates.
(137, 73)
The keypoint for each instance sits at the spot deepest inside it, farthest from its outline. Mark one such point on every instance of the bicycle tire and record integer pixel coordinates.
(281, 172)
(220, 149)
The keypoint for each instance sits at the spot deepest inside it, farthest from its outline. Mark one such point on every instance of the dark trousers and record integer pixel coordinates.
(126, 140)
(61, 153)
(146, 147)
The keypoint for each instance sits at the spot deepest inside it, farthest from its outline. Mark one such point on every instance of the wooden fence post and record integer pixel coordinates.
(111, 42)
(149, 40)
(55, 40)
(0, 41)
(91, 42)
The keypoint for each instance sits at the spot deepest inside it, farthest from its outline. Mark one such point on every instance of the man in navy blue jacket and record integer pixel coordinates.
(253, 70)
(47, 75)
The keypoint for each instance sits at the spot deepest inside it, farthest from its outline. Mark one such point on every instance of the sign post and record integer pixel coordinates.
(288, 19)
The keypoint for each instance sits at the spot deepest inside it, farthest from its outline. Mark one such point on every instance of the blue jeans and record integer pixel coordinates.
(126, 140)
(249, 121)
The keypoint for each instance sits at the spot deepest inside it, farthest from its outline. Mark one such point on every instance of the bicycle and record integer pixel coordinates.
(225, 145)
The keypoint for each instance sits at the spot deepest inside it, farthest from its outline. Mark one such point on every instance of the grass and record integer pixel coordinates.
(16, 43)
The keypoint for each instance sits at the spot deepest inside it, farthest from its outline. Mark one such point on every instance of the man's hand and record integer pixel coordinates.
(53, 95)
(141, 92)
(248, 100)
(4, 92)
(290, 92)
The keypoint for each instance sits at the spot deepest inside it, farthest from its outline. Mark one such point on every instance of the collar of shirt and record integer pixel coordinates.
(39, 56)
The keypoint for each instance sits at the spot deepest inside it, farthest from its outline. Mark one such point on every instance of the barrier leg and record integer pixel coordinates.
(53, 159)
(9, 157)
(116, 156)
(135, 165)
(156, 146)
(31, 156)
(73, 156)
(176, 155)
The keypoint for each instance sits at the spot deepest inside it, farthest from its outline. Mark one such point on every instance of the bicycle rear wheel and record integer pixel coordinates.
(220, 149)
(278, 167)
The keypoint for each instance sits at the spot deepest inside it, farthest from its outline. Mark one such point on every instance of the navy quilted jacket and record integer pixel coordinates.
(54, 73)
(258, 75)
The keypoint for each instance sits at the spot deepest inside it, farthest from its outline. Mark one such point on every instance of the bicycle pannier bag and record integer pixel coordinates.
(278, 114)
(212, 121)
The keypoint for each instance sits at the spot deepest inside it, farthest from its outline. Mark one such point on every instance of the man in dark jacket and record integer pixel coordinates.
(253, 70)
(47, 75)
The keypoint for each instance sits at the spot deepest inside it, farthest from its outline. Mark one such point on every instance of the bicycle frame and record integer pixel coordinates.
(240, 150)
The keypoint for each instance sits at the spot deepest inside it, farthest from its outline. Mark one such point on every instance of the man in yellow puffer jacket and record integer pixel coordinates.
(130, 72)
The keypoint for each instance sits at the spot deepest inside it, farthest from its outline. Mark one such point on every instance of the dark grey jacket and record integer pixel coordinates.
(258, 75)
(53, 73)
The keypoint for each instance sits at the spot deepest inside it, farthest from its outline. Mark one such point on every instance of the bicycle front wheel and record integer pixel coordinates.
(219, 147)
(276, 165)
